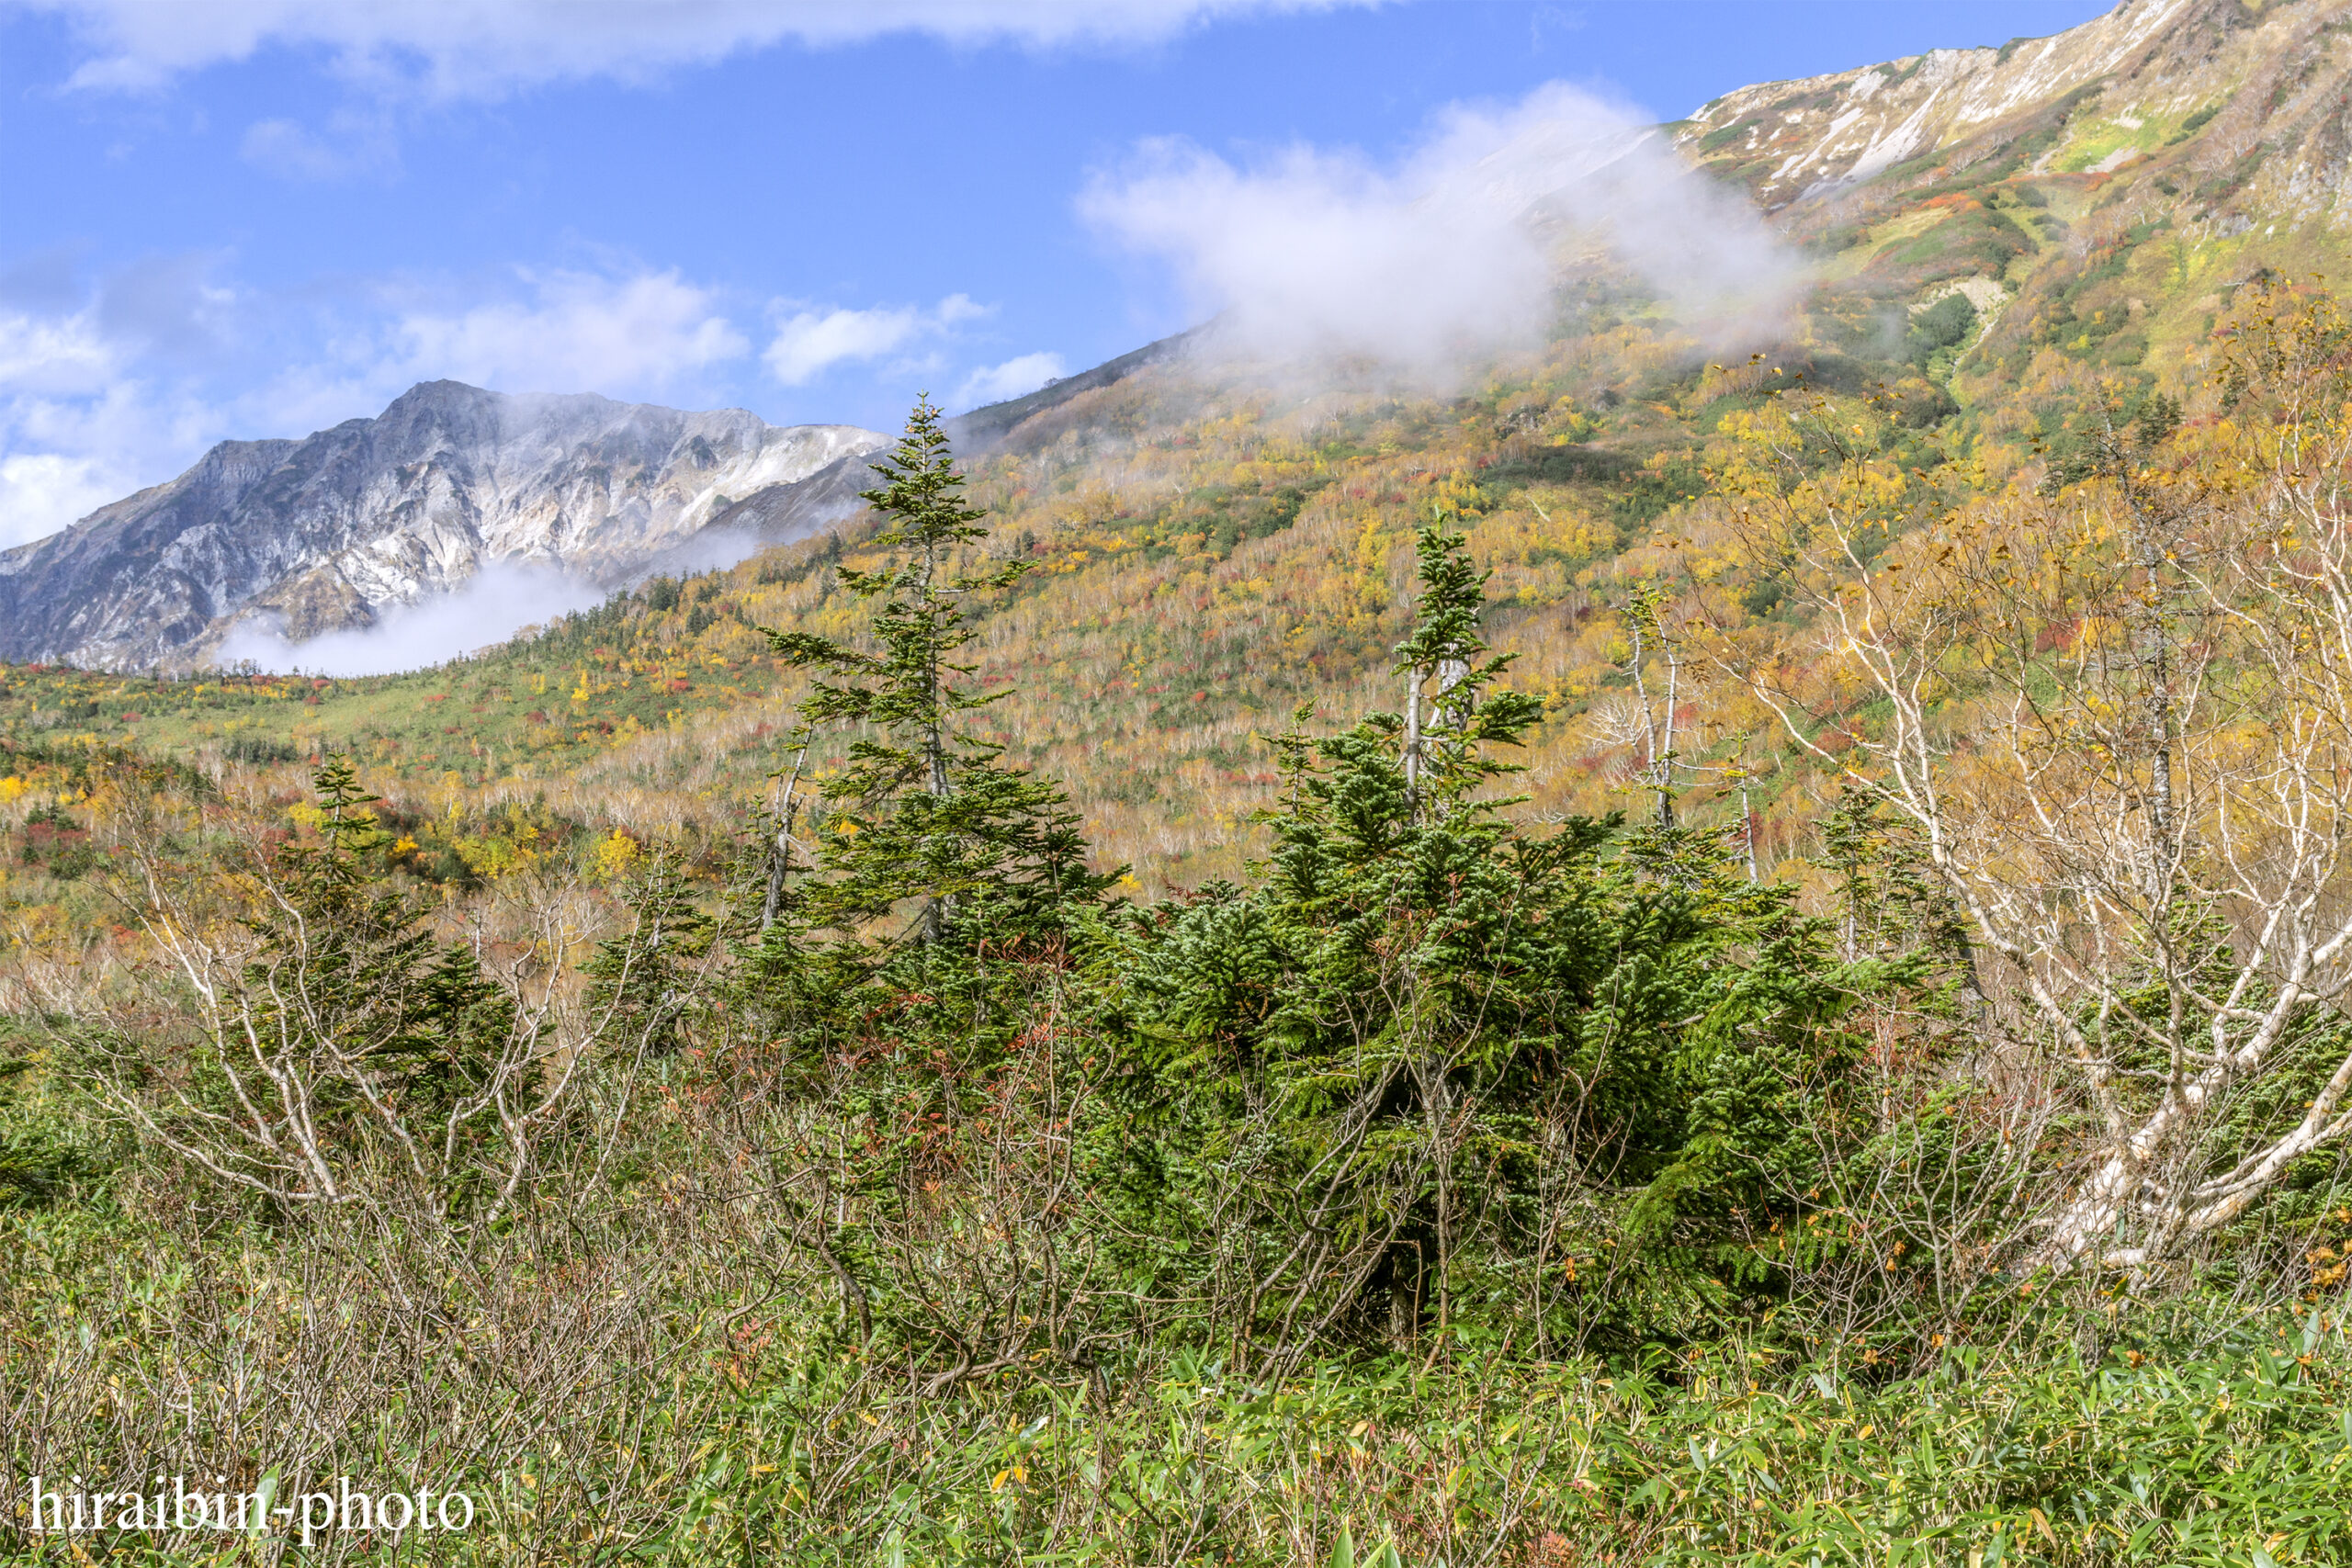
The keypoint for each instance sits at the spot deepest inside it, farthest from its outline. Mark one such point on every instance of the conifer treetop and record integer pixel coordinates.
(1452, 598)
(921, 492)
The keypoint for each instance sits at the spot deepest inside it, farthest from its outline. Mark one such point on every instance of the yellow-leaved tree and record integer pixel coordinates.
(2115, 707)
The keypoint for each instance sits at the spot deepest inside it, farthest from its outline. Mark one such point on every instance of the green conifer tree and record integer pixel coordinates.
(937, 905)
(927, 838)
(1446, 753)
(1435, 1042)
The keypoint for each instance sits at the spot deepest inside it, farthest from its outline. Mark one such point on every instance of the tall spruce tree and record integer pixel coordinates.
(939, 899)
(927, 844)
(1446, 757)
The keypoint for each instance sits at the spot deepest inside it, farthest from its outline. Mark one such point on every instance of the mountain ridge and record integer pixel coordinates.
(1820, 133)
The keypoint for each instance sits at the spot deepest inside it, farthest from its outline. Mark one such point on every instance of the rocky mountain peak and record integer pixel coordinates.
(2112, 90)
(330, 531)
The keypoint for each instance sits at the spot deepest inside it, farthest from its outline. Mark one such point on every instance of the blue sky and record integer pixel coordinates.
(261, 216)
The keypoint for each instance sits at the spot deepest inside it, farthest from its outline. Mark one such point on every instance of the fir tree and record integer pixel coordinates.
(1429, 1023)
(927, 838)
(1445, 756)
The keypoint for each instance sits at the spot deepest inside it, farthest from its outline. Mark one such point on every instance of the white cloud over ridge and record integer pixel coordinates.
(1449, 256)
(579, 332)
(996, 383)
(77, 427)
(488, 48)
(41, 492)
(810, 341)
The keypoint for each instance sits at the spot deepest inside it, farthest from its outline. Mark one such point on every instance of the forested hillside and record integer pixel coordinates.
(1718, 939)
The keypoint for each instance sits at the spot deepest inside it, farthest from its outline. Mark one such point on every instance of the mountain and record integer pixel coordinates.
(1997, 240)
(2154, 61)
(986, 429)
(2098, 194)
(784, 512)
(330, 531)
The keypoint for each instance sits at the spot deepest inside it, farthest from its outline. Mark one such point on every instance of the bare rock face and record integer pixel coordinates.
(328, 532)
(2238, 110)
(1786, 140)
(2185, 146)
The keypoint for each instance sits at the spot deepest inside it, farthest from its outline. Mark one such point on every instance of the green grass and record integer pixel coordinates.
(750, 1432)
(664, 1375)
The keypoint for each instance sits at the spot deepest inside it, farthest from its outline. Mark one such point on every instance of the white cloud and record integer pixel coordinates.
(808, 341)
(354, 143)
(69, 417)
(63, 455)
(484, 48)
(499, 601)
(995, 383)
(808, 344)
(581, 333)
(1449, 255)
(54, 355)
(42, 492)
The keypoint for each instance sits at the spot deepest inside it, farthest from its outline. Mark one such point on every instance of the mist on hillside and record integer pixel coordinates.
(1450, 256)
(501, 599)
